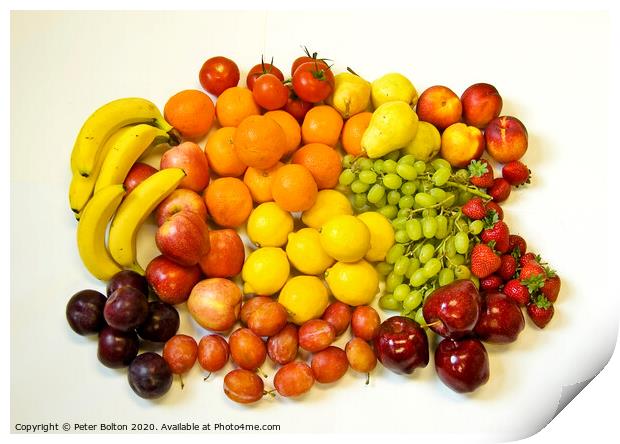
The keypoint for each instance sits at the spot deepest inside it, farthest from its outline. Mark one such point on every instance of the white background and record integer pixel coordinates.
(552, 77)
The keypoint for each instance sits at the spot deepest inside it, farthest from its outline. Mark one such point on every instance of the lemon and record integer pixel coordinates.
(345, 238)
(353, 283)
(265, 270)
(269, 225)
(305, 298)
(381, 235)
(305, 252)
(426, 143)
(329, 203)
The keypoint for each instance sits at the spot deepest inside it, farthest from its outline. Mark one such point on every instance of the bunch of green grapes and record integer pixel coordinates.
(423, 202)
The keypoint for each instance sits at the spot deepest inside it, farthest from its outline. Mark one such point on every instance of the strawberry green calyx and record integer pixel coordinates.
(477, 168)
(533, 283)
(542, 302)
(550, 272)
(491, 219)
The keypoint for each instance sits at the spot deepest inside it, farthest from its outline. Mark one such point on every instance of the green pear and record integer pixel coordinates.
(426, 143)
(351, 94)
(392, 87)
(392, 126)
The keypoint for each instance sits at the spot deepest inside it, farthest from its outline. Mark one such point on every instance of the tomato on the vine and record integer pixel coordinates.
(313, 81)
(218, 74)
(297, 107)
(269, 92)
(259, 70)
(306, 58)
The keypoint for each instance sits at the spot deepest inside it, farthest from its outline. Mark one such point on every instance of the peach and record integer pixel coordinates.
(181, 200)
(440, 106)
(193, 161)
(184, 238)
(171, 282)
(226, 254)
(137, 174)
(215, 304)
(506, 139)
(461, 143)
(481, 104)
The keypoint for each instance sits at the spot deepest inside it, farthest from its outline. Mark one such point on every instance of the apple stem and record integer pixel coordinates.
(473, 190)
(207, 377)
(431, 324)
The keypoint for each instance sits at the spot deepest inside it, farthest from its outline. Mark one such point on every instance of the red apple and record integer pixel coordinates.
(193, 161)
(184, 238)
(460, 144)
(137, 174)
(226, 254)
(171, 282)
(506, 139)
(440, 106)
(181, 200)
(215, 303)
(481, 104)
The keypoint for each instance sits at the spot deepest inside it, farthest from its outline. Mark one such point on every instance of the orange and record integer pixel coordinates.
(220, 151)
(353, 131)
(259, 182)
(259, 142)
(191, 112)
(291, 128)
(323, 162)
(234, 105)
(322, 124)
(294, 188)
(229, 202)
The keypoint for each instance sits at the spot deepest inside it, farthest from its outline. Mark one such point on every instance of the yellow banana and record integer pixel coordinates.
(125, 151)
(112, 116)
(134, 210)
(92, 229)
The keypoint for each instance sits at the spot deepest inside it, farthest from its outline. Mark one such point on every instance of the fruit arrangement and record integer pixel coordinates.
(346, 194)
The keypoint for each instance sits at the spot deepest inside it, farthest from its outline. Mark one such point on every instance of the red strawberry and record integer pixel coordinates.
(484, 261)
(497, 231)
(508, 267)
(500, 190)
(531, 269)
(480, 173)
(515, 241)
(540, 311)
(475, 209)
(516, 291)
(528, 257)
(516, 173)
(491, 283)
(551, 287)
(492, 206)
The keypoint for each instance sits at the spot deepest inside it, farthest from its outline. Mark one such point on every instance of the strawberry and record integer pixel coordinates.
(532, 269)
(516, 245)
(516, 291)
(496, 230)
(480, 173)
(516, 173)
(528, 257)
(508, 267)
(474, 208)
(484, 261)
(551, 287)
(491, 283)
(500, 190)
(540, 311)
(492, 206)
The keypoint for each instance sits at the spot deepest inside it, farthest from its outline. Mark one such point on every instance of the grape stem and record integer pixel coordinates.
(473, 190)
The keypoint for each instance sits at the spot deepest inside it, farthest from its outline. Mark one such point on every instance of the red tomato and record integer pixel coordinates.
(313, 81)
(218, 74)
(259, 70)
(300, 61)
(269, 92)
(297, 107)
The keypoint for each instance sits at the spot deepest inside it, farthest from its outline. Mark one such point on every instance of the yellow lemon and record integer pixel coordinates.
(426, 142)
(381, 235)
(265, 270)
(329, 203)
(269, 225)
(305, 252)
(345, 238)
(353, 283)
(305, 298)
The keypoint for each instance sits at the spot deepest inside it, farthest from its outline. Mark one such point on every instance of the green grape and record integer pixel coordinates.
(368, 176)
(378, 166)
(394, 155)
(458, 259)
(388, 211)
(462, 272)
(347, 160)
(424, 186)
(364, 163)
(392, 181)
(359, 187)
(392, 281)
(409, 188)
(441, 176)
(461, 242)
(406, 202)
(399, 223)
(382, 202)
(442, 226)
(401, 292)
(425, 200)
(449, 200)
(475, 280)
(401, 265)
(387, 302)
(346, 177)
(401, 236)
(414, 264)
(461, 225)
(428, 292)
(376, 192)
(414, 229)
(420, 166)
(462, 175)
(413, 300)
(389, 166)
(407, 159)
(449, 247)
(429, 212)
(407, 172)
(404, 212)
(393, 197)
(383, 268)
(394, 253)
(429, 227)
(419, 317)
(427, 251)
(418, 278)
(439, 163)
(476, 226)
(446, 275)
(432, 267)
(438, 194)
(464, 197)
(359, 201)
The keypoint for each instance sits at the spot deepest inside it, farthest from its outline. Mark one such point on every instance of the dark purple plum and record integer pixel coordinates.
(126, 309)
(127, 278)
(161, 323)
(150, 376)
(85, 312)
(117, 348)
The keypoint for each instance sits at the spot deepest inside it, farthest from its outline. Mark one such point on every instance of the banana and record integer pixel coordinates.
(92, 229)
(112, 116)
(124, 152)
(134, 210)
